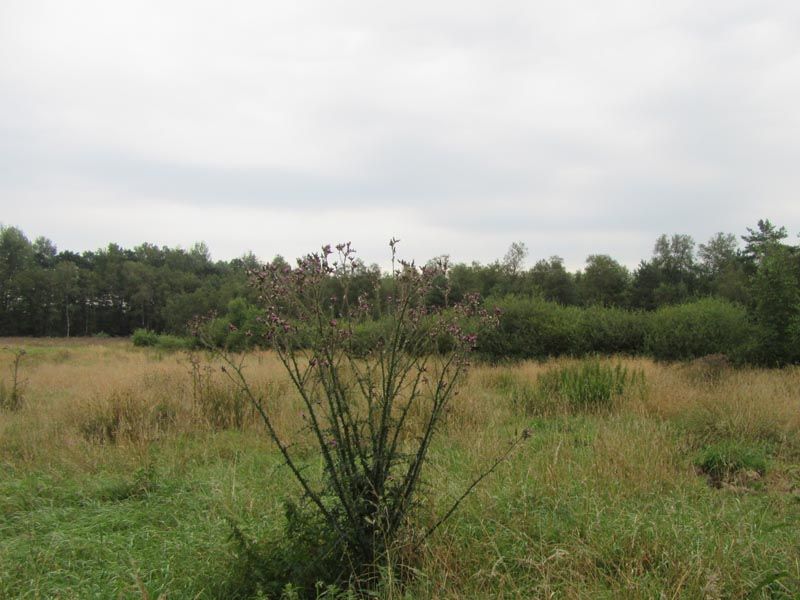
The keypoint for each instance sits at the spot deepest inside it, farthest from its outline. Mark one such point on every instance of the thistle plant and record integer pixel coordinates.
(371, 409)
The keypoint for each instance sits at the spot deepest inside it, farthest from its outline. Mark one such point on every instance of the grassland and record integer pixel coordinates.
(119, 477)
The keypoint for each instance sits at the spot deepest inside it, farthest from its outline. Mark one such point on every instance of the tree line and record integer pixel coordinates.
(114, 291)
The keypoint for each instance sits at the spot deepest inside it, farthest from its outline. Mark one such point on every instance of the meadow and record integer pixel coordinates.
(125, 470)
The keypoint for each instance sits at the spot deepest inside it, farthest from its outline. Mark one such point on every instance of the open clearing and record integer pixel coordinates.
(119, 479)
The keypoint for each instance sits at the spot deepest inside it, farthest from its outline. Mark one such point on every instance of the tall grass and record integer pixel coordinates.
(654, 498)
(588, 385)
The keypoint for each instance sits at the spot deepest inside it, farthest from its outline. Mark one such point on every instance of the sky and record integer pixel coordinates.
(459, 127)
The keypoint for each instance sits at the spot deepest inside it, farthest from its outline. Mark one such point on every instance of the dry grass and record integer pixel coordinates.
(82, 395)
(606, 504)
(753, 405)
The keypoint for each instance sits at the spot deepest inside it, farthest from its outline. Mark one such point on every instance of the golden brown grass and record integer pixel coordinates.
(594, 503)
(82, 397)
(81, 394)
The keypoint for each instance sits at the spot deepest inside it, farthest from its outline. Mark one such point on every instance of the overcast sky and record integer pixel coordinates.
(459, 127)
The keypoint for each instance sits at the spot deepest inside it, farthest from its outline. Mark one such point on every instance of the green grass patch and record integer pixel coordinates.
(724, 460)
(587, 385)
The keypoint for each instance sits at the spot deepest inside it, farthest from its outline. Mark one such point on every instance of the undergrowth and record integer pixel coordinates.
(114, 483)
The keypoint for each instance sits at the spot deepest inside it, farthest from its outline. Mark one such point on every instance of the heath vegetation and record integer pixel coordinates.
(329, 430)
(120, 477)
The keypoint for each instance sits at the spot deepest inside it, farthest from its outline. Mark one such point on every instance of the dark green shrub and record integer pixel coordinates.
(776, 292)
(695, 329)
(369, 334)
(608, 330)
(587, 385)
(172, 342)
(532, 328)
(239, 329)
(723, 460)
(144, 338)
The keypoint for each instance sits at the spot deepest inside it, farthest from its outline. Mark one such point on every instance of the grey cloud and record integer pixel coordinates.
(554, 121)
(407, 171)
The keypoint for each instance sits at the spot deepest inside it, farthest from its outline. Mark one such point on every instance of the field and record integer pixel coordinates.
(124, 469)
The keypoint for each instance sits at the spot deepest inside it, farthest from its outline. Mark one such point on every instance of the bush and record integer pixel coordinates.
(369, 334)
(532, 328)
(695, 329)
(241, 328)
(608, 330)
(144, 338)
(587, 385)
(172, 342)
(776, 295)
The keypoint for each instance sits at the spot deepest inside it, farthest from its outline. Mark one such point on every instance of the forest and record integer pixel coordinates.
(736, 295)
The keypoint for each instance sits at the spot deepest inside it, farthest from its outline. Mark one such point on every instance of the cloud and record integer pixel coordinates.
(461, 126)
